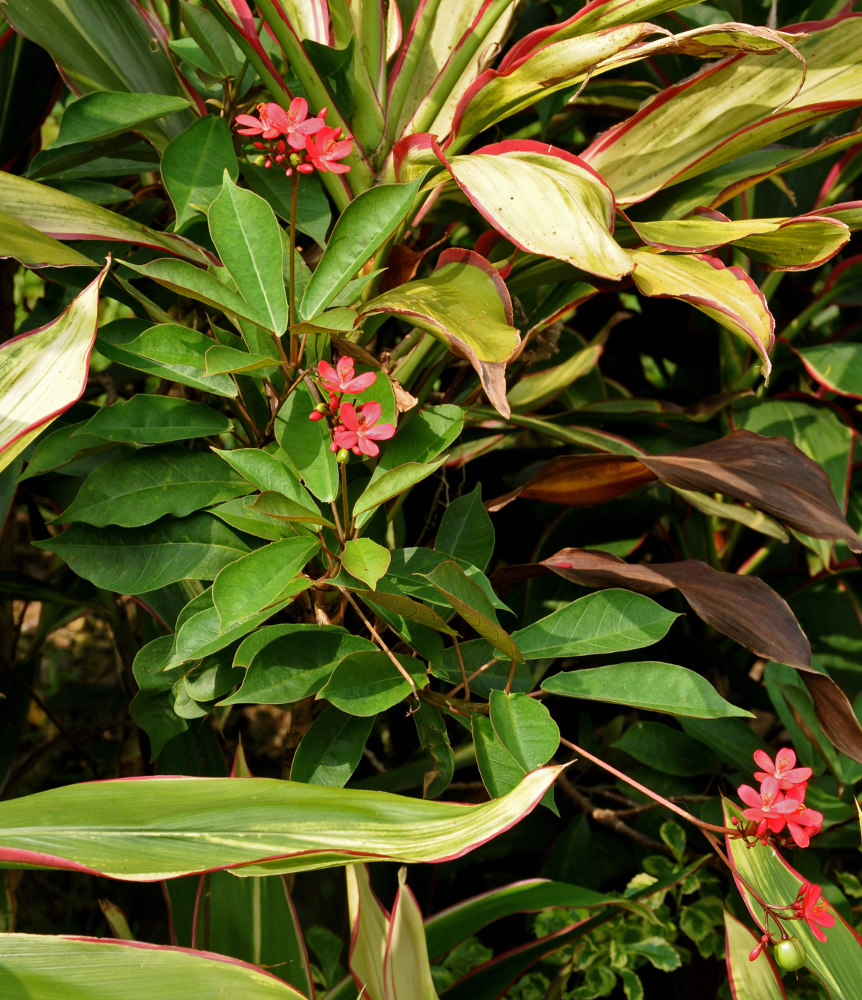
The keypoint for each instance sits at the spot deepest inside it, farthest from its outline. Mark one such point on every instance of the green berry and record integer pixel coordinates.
(789, 954)
(343, 456)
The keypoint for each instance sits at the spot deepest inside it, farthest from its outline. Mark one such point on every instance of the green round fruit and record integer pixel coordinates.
(343, 456)
(790, 954)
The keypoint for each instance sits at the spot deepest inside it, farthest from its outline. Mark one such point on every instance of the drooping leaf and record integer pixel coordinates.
(466, 530)
(465, 304)
(656, 687)
(77, 968)
(524, 726)
(136, 560)
(34, 249)
(43, 372)
(331, 748)
(273, 826)
(105, 113)
(431, 728)
(307, 444)
(366, 560)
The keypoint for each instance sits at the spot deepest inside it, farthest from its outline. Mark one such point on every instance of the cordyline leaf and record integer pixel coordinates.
(731, 109)
(43, 372)
(568, 215)
(464, 303)
(34, 249)
(772, 474)
(66, 217)
(835, 961)
(149, 829)
(406, 969)
(758, 980)
(796, 244)
(726, 294)
(742, 607)
(369, 929)
(78, 968)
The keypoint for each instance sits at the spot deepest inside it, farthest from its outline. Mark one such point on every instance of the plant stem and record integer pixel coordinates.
(291, 268)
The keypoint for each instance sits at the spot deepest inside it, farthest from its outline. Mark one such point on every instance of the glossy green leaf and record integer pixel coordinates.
(656, 687)
(498, 768)
(43, 372)
(607, 621)
(524, 732)
(366, 560)
(152, 708)
(135, 560)
(307, 443)
(155, 828)
(431, 430)
(254, 921)
(64, 216)
(200, 630)
(193, 166)
(259, 579)
(75, 968)
(264, 470)
(195, 283)
(757, 980)
(405, 607)
(221, 360)
(248, 240)
(465, 304)
(331, 749)
(146, 419)
(367, 683)
(313, 212)
(103, 114)
(287, 663)
(281, 508)
(244, 516)
(836, 961)
(725, 294)
(168, 351)
(666, 750)
(34, 249)
(391, 484)
(466, 530)
(836, 366)
(364, 226)
(150, 484)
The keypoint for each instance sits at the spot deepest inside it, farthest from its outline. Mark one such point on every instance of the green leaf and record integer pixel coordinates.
(725, 294)
(499, 770)
(307, 442)
(666, 750)
(366, 560)
(135, 560)
(836, 366)
(391, 484)
(43, 372)
(330, 751)
(108, 113)
(405, 607)
(472, 604)
(525, 727)
(279, 507)
(608, 621)
(221, 360)
(313, 213)
(758, 979)
(259, 579)
(151, 708)
(65, 216)
(150, 484)
(431, 430)
(369, 929)
(655, 687)
(156, 828)
(465, 304)
(267, 472)
(243, 515)
(248, 239)
(34, 249)
(431, 727)
(406, 969)
(193, 166)
(367, 683)
(287, 663)
(146, 419)
(67, 968)
(364, 226)
(168, 351)
(466, 530)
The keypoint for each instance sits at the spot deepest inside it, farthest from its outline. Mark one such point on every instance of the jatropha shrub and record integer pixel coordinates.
(443, 359)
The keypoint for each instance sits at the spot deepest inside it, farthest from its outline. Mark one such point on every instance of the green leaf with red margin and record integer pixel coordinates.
(78, 968)
(730, 109)
(725, 294)
(43, 372)
(464, 303)
(154, 828)
(406, 969)
(835, 961)
(757, 980)
(34, 249)
(67, 217)
(369, 929)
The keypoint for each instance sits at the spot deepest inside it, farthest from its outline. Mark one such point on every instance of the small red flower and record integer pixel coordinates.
(324, 150)
(784, 770)
(769, 808)
(814, 910)
(360, 430)
(273, 121)
(341, 378)
(803, 823)
(299, 125)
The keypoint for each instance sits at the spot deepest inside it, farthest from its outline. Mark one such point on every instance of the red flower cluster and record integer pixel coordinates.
(306, 144)
(353, 429)
(811, 907)
(781, 800)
